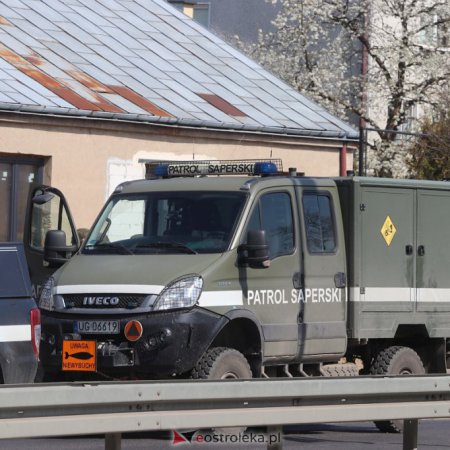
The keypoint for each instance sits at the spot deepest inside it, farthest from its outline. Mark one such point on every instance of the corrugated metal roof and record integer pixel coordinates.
(145, 61)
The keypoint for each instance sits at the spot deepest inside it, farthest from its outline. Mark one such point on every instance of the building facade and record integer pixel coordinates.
(88, 91)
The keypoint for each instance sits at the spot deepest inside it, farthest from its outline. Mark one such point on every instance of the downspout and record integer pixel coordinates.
(362, 121)
(343, 160)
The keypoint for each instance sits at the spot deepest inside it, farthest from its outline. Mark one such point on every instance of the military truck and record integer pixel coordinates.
(233, 270)
(20, 324)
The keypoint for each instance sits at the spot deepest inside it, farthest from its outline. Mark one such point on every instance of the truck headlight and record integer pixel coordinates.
(46, 297)
(182, 293)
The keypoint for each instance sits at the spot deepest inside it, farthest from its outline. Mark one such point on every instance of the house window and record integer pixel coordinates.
(199, 11)
(434, 33)
(16, 175)
(410, 124)
(443, 35)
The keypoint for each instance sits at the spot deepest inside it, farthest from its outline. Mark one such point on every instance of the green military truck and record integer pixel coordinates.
(233, 270)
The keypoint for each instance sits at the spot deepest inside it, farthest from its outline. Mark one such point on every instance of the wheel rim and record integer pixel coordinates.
(229, 375)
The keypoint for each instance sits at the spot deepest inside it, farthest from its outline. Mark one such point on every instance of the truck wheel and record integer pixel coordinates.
(220, 363)
(396, 360)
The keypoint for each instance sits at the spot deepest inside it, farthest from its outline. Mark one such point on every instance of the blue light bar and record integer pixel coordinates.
(168, 169)
(265, 168)
(161, 170)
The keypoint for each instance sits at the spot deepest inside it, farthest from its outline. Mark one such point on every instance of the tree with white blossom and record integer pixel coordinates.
(378, 60)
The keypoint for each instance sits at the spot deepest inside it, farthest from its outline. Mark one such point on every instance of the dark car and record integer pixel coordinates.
(20, 324)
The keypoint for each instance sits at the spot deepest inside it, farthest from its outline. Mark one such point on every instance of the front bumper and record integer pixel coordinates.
(171, 343)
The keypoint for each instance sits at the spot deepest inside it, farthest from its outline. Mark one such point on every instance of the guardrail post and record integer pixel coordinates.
(275, 431)
(410, 434)
(113, 441)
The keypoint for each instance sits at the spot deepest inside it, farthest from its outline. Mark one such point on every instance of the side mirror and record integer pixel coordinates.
(43, 198)
(56, 251)
(255, 253)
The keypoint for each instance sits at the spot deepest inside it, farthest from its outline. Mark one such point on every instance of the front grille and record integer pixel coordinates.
(126, 301)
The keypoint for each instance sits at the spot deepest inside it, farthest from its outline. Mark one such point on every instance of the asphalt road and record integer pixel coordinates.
(433, 435)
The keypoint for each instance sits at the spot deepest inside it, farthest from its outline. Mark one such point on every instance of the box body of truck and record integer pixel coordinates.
(398, 257)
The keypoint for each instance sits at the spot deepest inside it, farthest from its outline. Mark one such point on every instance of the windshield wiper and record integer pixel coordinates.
(108, 245)
(171, 245)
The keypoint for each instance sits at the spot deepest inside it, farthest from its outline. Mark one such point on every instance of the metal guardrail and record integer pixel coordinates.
(111, 408)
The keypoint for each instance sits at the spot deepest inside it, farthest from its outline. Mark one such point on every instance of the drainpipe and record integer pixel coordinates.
(343, 161)
(362, 122)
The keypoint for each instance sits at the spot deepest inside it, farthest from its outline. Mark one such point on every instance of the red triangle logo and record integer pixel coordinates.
(178, 438)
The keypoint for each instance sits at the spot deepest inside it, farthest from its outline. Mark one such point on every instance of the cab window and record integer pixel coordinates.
(166, 223)
(273, 213)
(319, 223)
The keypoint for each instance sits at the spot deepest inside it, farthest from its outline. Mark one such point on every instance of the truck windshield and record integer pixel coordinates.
(166, 223)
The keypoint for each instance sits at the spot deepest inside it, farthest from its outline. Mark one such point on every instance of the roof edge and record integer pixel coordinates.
(178, 122)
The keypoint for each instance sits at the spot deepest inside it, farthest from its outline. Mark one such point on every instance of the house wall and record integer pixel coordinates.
(86, 159)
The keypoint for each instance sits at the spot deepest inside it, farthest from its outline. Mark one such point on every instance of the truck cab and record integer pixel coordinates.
(206, 270)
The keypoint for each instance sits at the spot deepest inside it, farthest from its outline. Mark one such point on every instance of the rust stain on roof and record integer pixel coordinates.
(11, 57)
(75, 99)
(223, 105)
(40, 77)
(28, 65)
(89, 82)
(4, 21)
(35, 59)
(31, 65)
(105, 105)
(140, 101)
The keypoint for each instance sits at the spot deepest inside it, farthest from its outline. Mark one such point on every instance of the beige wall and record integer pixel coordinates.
(88, 158)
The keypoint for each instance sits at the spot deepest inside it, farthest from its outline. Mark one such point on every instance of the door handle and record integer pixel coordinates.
(340, 280)
(409, 250)
(421, 250)
(297, 280)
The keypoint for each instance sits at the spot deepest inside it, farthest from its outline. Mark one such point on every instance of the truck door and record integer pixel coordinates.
(268, 291)
(387, 250)
(322, 299)
(432, 254)
(47, 209)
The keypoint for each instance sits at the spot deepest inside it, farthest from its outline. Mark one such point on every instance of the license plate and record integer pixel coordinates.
(97, 327)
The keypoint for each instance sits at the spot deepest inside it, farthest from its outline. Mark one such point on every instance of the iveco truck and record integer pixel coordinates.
(231, 269)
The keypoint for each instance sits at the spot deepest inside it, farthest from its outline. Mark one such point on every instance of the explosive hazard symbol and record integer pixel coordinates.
(133, 330)
(388, 230)
(79, 356)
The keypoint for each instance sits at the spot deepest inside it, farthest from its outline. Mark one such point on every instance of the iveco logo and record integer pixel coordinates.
(101, 301)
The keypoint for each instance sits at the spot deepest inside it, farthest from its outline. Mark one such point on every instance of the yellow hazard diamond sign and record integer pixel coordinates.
(388, 230)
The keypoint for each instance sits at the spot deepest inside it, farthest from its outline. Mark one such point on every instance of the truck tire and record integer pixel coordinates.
(220, 363)
(396, 360)
(223, 363)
